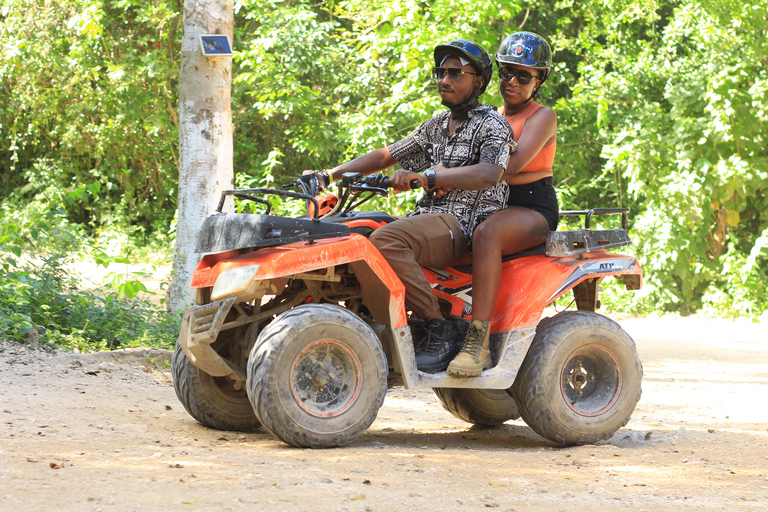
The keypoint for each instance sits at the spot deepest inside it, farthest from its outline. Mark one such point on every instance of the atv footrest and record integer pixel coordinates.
(229, 231)
(571, 243)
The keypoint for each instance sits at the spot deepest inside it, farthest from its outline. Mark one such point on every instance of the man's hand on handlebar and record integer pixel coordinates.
(401, 180)
(323, 177)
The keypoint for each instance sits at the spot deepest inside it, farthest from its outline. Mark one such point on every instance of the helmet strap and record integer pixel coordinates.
(533, 96)
(471, 104)
(535, 93)
(461, 110)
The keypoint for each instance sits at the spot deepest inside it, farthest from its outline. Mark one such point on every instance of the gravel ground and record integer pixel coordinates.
(106, 432)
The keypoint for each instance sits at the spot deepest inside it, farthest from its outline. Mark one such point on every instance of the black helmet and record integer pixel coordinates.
(526, 49)
(473, 52)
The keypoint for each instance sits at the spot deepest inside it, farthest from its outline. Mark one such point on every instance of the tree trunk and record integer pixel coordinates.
(205, 136)
(718, 238)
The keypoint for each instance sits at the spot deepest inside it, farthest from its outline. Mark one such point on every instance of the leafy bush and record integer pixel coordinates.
(87, 100)
(38, 292)
(661, 108)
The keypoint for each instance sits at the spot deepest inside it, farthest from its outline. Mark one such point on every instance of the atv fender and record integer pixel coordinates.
(241, 277)
(530, 284)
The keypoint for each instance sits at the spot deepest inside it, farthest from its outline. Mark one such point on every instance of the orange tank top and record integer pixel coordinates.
(546, 157)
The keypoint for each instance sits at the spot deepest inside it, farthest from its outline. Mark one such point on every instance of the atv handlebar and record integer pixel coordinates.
(379, 181)
(351, 186)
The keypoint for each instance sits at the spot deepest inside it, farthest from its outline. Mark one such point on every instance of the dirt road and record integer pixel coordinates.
(106, 432)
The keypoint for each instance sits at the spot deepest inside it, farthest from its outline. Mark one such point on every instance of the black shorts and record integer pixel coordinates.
(538, 196)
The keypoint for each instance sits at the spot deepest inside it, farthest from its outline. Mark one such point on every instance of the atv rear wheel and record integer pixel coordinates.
(213, 401)
(581, 379)
(485, 407)
(317, 376)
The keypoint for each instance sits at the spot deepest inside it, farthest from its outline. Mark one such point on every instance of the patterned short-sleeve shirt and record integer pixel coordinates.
(485, 137)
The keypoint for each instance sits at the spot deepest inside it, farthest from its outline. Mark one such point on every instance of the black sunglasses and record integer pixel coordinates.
(523, 77)
(453, 73)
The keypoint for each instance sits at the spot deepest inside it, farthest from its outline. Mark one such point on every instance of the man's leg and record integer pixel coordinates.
(433, 240)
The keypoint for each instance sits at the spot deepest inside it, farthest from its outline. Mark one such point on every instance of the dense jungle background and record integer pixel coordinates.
(662, 107)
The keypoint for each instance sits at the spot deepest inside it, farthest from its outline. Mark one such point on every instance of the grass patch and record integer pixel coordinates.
(37, 292)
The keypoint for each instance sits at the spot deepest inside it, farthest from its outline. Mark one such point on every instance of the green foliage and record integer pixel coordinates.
(87, 102)
(679, 97)
(662, 107)
(37, 291)
(328, 82)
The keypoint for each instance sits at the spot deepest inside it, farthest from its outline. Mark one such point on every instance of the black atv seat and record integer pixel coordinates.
(533, 251)
(373, 215)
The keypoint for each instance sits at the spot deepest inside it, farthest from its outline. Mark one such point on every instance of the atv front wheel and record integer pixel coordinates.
(580, 381)
(215, 402)
(317, 376)
(486, 407)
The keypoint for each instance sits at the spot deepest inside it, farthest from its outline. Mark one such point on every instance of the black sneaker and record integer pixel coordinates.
(442, 344)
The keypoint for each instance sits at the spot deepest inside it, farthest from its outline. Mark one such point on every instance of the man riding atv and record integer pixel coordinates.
(465, 149)
(301, 324)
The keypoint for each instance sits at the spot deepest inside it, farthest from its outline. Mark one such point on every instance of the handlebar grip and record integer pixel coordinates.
(387, 183)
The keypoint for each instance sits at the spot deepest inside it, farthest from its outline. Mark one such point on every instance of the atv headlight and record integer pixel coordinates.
(236, 282)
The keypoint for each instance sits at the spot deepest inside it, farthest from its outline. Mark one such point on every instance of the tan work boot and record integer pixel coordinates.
(474, 356)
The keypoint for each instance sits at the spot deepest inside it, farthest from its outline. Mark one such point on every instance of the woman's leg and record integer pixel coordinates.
(505, 232)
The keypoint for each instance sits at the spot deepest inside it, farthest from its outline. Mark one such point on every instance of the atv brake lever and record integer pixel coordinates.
(369, 188)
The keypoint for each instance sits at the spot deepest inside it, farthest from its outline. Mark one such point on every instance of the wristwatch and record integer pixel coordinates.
(431, 177)
(326, 175)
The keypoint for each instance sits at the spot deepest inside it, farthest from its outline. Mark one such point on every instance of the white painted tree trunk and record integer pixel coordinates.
(205, 136)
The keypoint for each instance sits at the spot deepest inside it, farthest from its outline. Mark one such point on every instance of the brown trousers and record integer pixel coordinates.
(427, 240)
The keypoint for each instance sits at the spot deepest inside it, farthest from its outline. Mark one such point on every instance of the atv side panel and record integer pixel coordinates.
(508, 349)
(530, 284)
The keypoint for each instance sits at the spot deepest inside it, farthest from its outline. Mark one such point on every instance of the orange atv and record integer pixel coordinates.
(301, 327)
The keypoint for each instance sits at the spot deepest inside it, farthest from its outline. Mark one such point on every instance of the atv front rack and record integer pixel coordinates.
(571, 243)
(246, 193)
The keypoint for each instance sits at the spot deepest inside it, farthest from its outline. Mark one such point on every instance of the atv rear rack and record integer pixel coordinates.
(571, 243)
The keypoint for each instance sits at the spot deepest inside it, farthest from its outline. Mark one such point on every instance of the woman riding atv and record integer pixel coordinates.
(524, 60)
